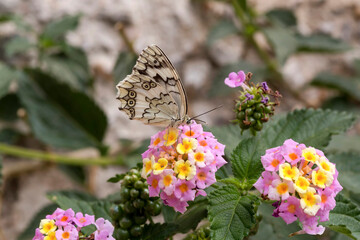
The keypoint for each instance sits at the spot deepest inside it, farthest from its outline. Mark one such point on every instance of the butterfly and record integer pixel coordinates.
(153, 93)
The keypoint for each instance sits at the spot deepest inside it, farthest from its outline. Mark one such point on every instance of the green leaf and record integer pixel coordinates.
(17, 45)
(348, 165)
(123, 66)
(345, 217)
(29, 231)
(222, 29)
(76, 173)
(73, 194)
(320, 43)
(349, 86)
(158, 231)
(271, 228)
(245, 160)
(231, 215)
(342, 103)
(196, 212)
(218, 87)
(17, 20)
(117, 178)
(70, 66)
(6, 77)
(57, 29)
(229, 135)
(9, 106)
(344, 143)
(282, 17)
(283, 41)
(81, 202)
(9, 136)
(60, 116)
(311, 127)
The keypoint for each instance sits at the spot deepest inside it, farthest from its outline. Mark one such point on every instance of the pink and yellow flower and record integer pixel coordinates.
(72, 229)
(181, 159)
(304, 186)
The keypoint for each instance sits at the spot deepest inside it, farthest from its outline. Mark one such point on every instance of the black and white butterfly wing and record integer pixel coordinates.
(143, 99)
(153, 92)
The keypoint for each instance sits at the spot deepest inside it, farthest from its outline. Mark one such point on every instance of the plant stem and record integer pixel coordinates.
(51, 157)
(121, 28)
(271, 63)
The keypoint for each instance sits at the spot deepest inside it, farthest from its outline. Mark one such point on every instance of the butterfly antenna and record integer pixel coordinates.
(205, 113)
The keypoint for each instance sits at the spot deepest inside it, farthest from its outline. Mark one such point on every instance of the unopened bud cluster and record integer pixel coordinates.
(202, 233)
(254, 105)
(135, 207)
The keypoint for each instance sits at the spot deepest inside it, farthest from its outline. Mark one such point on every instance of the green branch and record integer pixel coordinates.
(272, 64)
(55, 158)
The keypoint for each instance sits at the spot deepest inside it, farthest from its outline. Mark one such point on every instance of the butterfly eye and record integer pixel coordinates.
(152, 85)
(146, 86)
(132, 94)
(131, 103)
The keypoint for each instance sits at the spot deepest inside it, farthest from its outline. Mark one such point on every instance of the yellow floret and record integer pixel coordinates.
(160, 166)
(171, 136)
(187, 145)
(47, 226)
(185, 169)
(287, 172)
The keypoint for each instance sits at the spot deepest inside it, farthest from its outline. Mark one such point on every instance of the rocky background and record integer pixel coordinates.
(180, 28)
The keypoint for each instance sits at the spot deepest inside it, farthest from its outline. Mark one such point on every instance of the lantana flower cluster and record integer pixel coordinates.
(67, 225)
(180, 163)
(302, 181)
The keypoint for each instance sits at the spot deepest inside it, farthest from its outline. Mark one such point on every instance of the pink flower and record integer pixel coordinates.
(204, 177)
(200, 192)
(193, 130)
(154, 188)
(265, 181)
(323, 215)
(290, 209)
(201, 157)
(167, 181)
(104, 230)
(64, 218)
(58, 212)
(69, 233)
(272, 161)
(81, 221)
(327, 199)
(272, 150)
(184, 190)
(157, 140)
(38, 235)
(291, 152)
(280, 189)
(335, 186)
(310, 226)
(173, 201)
(235, 79)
